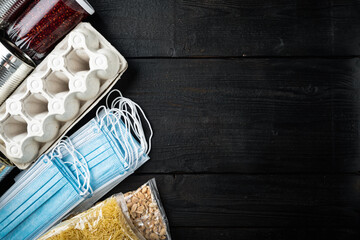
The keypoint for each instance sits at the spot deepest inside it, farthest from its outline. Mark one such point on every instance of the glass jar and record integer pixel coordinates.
(44, 23)
(10, 9)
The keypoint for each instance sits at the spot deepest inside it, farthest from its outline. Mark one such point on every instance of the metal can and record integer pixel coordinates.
(10, 9)
(15, 66)
(4, 160)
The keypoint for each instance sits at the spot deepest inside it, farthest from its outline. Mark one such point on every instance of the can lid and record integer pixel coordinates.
(86, 5)
(14, 50)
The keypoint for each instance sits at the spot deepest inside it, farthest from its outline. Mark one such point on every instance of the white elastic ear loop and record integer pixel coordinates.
(68, 146)
(99, 119)
(106, 108)
(83, 172)
(125, 118)
(108, 96)
(116, 102)
(77, 164)
(126, 110)
(110, 123)
(131, 123)
(137, 124)
(107, 120)
(132, 155)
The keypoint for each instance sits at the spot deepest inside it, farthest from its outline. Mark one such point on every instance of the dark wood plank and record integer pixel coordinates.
(231, 200)
(264, 233)
(249, 115)
(276, 28)
(137, 28)
(180, 28)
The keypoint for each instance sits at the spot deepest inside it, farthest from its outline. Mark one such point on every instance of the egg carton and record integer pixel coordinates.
(63, 88)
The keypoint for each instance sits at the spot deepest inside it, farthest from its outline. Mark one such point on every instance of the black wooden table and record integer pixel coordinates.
(255, 106)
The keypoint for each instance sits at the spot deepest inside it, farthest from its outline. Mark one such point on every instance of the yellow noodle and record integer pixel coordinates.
(102, 222)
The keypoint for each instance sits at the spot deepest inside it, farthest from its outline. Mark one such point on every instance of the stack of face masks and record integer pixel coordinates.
(77, 172)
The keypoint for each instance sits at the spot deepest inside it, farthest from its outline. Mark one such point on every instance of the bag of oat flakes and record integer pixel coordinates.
(147, 213)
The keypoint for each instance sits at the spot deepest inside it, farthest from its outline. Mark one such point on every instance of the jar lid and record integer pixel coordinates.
(86, 5)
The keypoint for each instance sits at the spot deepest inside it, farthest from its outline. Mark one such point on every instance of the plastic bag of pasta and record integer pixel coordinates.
(147, 213)
(105, 220)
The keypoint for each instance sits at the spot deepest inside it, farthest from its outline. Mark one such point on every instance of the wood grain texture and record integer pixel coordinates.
(178, 28)
(264, 233)
(233, 200)
(255, 108)
(249, 115)
(137, 27)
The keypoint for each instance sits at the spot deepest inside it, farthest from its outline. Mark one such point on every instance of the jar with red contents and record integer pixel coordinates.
(10, 10)
(44, 23)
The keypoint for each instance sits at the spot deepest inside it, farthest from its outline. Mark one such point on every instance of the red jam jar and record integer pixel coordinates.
(44, 23)
(10, 9)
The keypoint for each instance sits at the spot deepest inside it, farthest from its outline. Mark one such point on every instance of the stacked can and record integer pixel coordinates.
(15, 66)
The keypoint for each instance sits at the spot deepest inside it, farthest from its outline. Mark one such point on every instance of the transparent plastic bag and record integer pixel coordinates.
(105, 220)
(147, 213)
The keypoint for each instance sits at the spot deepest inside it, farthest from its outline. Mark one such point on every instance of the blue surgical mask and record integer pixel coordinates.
(78, 171)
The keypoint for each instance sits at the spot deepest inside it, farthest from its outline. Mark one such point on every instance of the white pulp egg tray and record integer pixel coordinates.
(63, 88)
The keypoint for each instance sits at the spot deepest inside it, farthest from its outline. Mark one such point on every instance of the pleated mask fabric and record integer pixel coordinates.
(80, 168)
